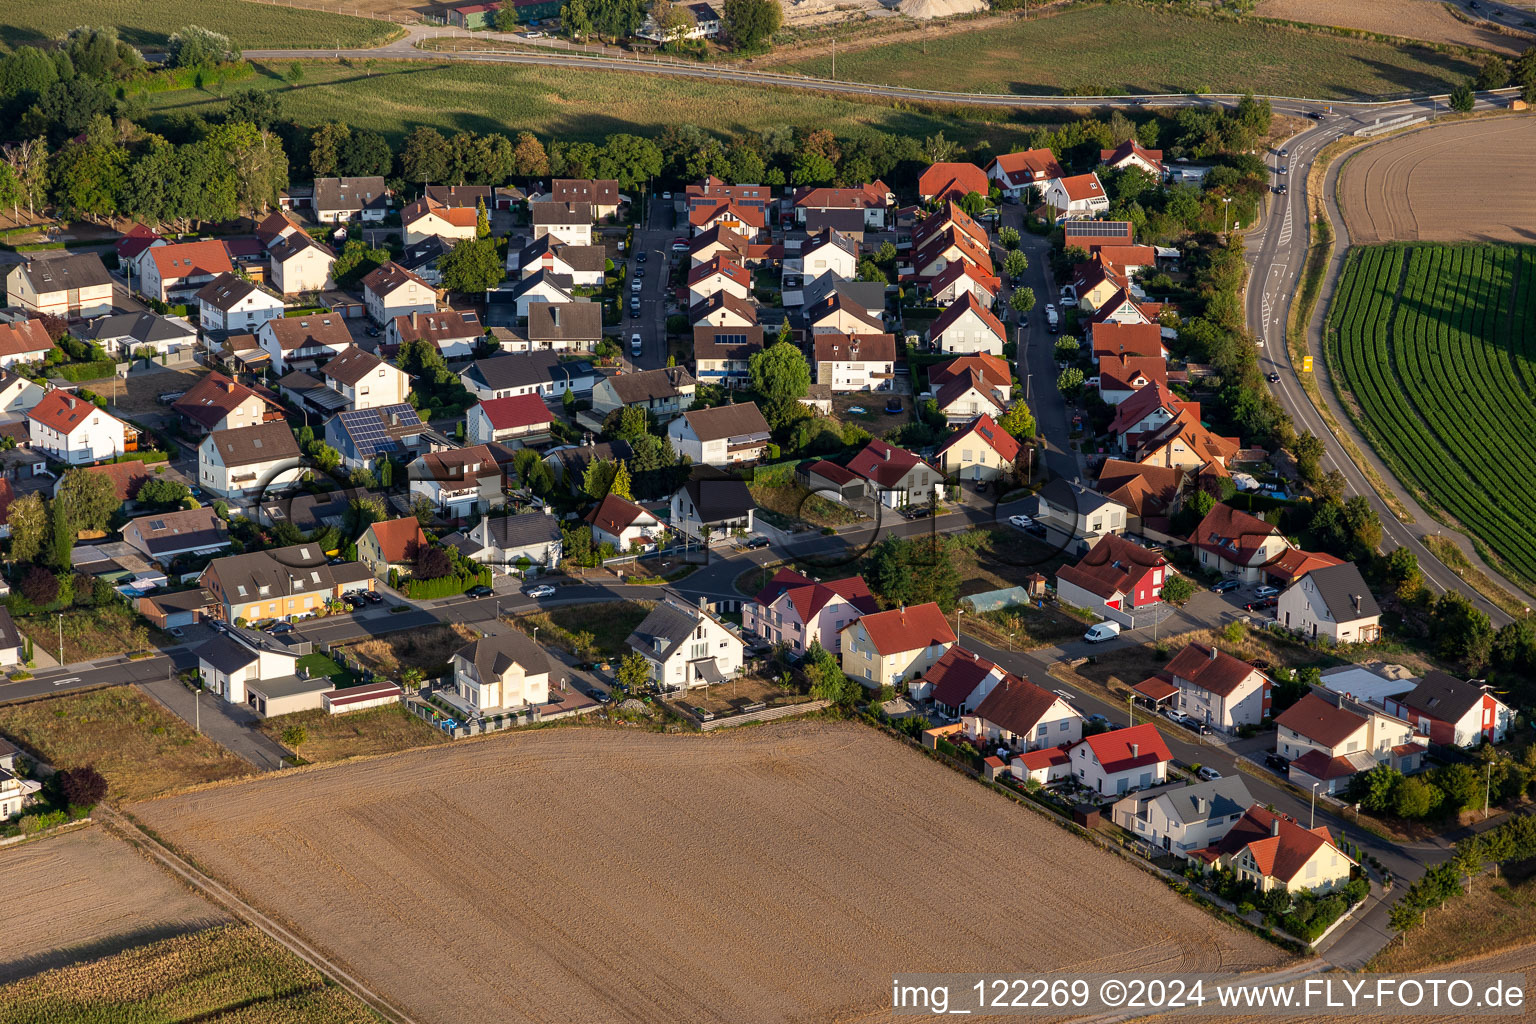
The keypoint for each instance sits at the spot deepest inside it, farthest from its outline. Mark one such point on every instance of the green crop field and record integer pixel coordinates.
(1125, 48)
(393, 97)
(1444, 374)
(149, 23)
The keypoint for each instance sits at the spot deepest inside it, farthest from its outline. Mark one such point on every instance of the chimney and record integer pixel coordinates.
(1213, 652)
(1135, 749)
(1200, 807)
(886, 453)
(415, 318)
(1274, 825)
(703, 604)
(394, 419)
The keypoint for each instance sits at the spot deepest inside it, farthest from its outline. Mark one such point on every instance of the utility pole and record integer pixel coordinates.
(61, 638)
(834, 58)
(1312, 823)
(1130, 709)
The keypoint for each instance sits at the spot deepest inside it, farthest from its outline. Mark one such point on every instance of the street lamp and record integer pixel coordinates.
(1225, 203)
(1313, 822)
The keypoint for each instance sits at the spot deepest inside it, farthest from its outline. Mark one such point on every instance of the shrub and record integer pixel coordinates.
(81, 787)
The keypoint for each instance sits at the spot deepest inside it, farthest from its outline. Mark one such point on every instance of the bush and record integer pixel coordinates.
(81, 787)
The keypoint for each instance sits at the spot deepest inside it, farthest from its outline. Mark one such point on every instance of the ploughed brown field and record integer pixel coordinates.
(1398, 190)
(773, 874)
(1412, 19)
(84, 894)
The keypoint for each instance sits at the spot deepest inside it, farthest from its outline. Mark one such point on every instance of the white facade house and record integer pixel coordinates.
(365, 380)
(1079, 196)
(686, 645)
(300, 264)
(1182, 818)
(303, 340)
(238, 658)
(855, 362)
(229, 303)
(75, 431)
(247, 461)
(1330, 738)
(968, 327)
(503, 672)
(721, 435)
(622, 523)
(392, 291)
(1218, 690)
(76, 285)
(1332, 603)
(1120, 760)
(1021, 716)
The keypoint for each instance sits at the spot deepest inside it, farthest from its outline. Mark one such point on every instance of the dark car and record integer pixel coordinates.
(355, 600)
(1226, 585)
(1262, 604)
(634, 314)
(373, 598)
(755, 543)
(1274, 378)
(280, 628)
(639, 272)
(639, 257)
(1316, 115)
(1277, 762)
(479, 590)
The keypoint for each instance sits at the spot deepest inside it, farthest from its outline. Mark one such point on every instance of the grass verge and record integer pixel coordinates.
(1496, 915)
(139, 747)
(250, 26)
(374, 731)
(1454, 559)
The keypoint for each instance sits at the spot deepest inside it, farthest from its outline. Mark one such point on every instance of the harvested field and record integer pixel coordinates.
(428, 649)
(780, 873)
(1416, 19)
(225, 975)
(149, 24)
(1395, 191)
(139, 747)
(88, 894)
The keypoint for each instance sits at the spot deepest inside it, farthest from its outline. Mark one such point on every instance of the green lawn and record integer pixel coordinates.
(571, 104)
(1119, 48)
(149, 23)
(318, 665)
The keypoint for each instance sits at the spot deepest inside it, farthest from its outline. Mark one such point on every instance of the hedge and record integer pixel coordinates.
(100, 369)
(444, 586)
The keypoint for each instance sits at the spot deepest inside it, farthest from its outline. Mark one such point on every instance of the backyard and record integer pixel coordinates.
(330, 737)
(139, 747)
(732, 695)
(589, 631)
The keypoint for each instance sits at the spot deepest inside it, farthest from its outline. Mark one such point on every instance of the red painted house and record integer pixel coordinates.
(1453, 712)
(1114, 578)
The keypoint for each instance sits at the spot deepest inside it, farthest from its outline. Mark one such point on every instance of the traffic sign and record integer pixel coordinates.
(1306, 364)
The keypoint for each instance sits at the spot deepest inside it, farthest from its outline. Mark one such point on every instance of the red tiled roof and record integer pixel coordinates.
(516, 411)
(1145, 490)
(1117, 339)
(863, 348)
(1212, 670)
(728, 209)
(125, 476)
(831, 471)
(1320, 766)
(956, 309)
(458, 216)
(1126, 148)
(1156, 688)
(1113, 748)
(1280, 847)
(949, 237)
(1320, 721)
(386, 278)
(615, 515)
(720, 263)
(863, 197)
(1186, 426)
(185, 259)
(1082, 186)
(1041, 760)
(135, 240)
(809, 597)
(883, 463)
(1112, 566)
(397, 537)
(1131, 373)
(213, 398)
(28, 337)
(992, 435)
(956, 675)
(947, 179)
(1236, 536)
(1016, 705)
(62, 411)
(1031, 165)
(992, 370)
(1295, 563)
(1142, 404)
(907, 629)
(950, 217)
(956, 269)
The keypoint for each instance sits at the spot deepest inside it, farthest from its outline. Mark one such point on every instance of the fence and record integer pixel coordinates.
(1389, 125)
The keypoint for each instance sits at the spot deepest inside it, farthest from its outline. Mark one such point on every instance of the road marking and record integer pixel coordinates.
(70, 679)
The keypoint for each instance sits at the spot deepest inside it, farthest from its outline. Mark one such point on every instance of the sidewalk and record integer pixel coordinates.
(230, 727)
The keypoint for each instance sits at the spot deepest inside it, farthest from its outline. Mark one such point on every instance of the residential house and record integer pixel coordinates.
(125, 335)
(499, 673)
(1116, 762)
(968, 386)
(298, 342)
(74, 431)
(946, 182)
(898, 476)
(391, 544)
(1021, 716)
(968, 327)
(961, 277)
(1120, 377)
(568, 463)
(855, 362)
(1218, 690)
(711, 505)
(135, 240)
(826, 252)
(279, 583)
(1237, 543)
(950, 221)
(796, 611)
(979, 450)
(703, 23)
(895, 646)
(424, 259)
(458, 482)
(1329, 738)
(427, 218)
(73, 285)
(664, 393)
(1016, 174)
(1046, 766)
(23, 341)
(163, 536)
(217, 402)
(720, 436)
(1453, 712)
(391, 290)
(246, 667)
(508, 304)
(721, 354)
(1131, 154)
(1147, 492)
(686, 645)
(1144, 413)
(601, 196)
(175, 273)
(746, 220)
(1185, 443)
(276, 225)
(453, 333)
(244, 462)
(175, 609)
(311, 512)
(583, 265)
(706, 245)
(1124, 308)
(721, 274)
(1072, 510)
(1115, 579)
(564, 326)
(1182, 818)
(364, 380)
(1273, 851)
(125, 477)
(622, 523)
(343, 199)
(1078, 196)
(17, 393)
(567, 223)
(1294, 563)
(958, 681)
(712, 190)
(527, 373)
(527, 540)
(230, 303)
(1332, 602)
(831, 481)
(870, 201)
(464, 197)
(940, 250)
(722, 309)
(300, 264)
(841, 313)
(518, 418)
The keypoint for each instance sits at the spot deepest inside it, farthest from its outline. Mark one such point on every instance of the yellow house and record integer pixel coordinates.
(280, 583)
(1275, 852)
(893, 647)
(979, 450)
(390, 544)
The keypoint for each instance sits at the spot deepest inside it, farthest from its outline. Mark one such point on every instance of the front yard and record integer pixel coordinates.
(334, 737)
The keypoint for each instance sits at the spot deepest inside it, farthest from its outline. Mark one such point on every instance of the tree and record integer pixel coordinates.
(1178, 589)
(482, 220)
(253, 106)
(828, 681)
(974, 204)
(40, 586)
(431, 562)
(1462, 98)
(326, 144)
(1403, 570)
(365, 153)
(634, 671)
(1493, 74)
(82, 787)
(1015, 263)
(529, 156)
(1009, 236)
(1462, 785)
(1460, 632)
(506, 18)
(28, 520)
(1414, 798)
(1018, 421)
(1309, 450)
(196, 47)
(812, 169)
(425, 155)
(163, 492)
(673, 21)
(779, 373)
(1200, 503)
(356, 261)
(294, 75)
(87, 500)
(472, 266)
(1373, 790)
(294, 736)
(751, 23)
(576, 19)
(1070, 382)
(599, 478)
(937, 149)
(326, 457)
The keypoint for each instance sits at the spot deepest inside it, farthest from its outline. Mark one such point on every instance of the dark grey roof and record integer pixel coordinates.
(648, 385)
(839, 223)
(226, 291)
(522, 286)
(1214, 799)
(351, 194)
(565, 321)
(423, 253)
(552, 211)
(1443, 696)
(141, 327)
(350, 365)
(577, 257)
(1075, 497)
(862, 295)
(225, 653)
(493, 655)
(523, 530)
(524, 369)
(734, 343)
(9, 637)
(1341, 587)
(58, 273)
(717, 495)
(253, 445)
(741, 420)
(668, 625)
(460, 196)
(289, 686)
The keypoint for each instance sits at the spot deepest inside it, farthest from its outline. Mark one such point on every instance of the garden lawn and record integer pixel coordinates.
(573, 104)
(318, 666)
(374, 731)
(148, 24)
(1124, 48)
(141, 749)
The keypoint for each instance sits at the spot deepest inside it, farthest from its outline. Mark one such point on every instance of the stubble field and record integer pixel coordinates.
(1396, 191)
(1415, 19)
(87, 893)
(150, 23)
(775, 874)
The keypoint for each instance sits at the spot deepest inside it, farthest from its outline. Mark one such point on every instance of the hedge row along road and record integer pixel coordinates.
(1438, 347)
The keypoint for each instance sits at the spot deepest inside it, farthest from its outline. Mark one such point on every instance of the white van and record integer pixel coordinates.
(1101, 631)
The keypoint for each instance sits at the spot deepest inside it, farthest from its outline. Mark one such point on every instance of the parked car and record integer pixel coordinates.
(1101, 631)
(1097, 720)
(1263, 604)
(1267, 591)
(1173, 714)
(1278, 763)
(540, 591)
(679, 245)
(280, 628)
(1225, 585)
(373, 597)
(1208, 773)
(755, 543)
(640, 256)
(639, 272)
(354, 601)
(1022, 522)
(634, 312)
(479, 590)
(636, 345)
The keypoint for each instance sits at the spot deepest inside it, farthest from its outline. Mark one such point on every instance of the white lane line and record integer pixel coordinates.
(69, 679)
